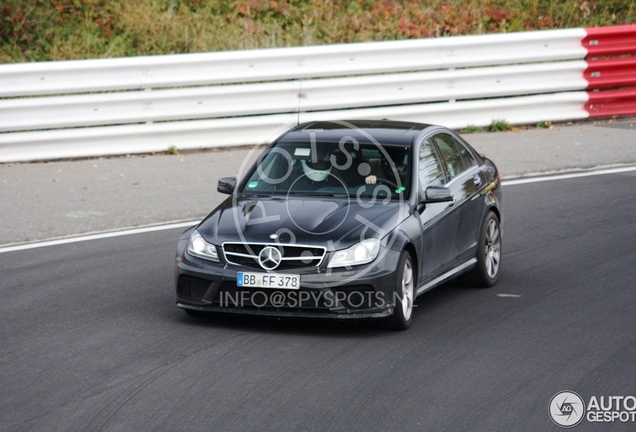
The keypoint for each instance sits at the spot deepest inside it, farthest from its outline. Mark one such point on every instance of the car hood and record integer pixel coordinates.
(332, 222)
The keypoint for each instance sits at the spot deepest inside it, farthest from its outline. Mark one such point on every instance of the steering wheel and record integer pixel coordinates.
(387, 182)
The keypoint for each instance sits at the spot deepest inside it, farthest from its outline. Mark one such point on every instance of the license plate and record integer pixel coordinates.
(268, 280)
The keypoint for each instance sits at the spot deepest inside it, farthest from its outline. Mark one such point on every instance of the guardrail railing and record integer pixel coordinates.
(610, 79)
(84, 108)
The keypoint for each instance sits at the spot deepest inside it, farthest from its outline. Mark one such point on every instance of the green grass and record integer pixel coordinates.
(472, 129)
(37, 30)
(544, 124)
(172, 150)
(498, 125)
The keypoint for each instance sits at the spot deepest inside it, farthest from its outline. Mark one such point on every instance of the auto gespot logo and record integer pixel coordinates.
(567, 409)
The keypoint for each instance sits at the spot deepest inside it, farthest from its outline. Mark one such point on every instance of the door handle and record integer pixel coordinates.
(477, 180)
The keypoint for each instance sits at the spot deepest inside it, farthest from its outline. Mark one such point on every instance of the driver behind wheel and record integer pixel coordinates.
(316, 172)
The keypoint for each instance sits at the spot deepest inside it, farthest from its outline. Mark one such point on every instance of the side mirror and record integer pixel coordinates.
(226, 185)
(437, 194)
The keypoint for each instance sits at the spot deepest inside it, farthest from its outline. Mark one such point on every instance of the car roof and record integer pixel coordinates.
(364, 131)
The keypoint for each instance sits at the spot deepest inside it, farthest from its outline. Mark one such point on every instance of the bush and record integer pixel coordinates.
(37, 30)
(498, 126)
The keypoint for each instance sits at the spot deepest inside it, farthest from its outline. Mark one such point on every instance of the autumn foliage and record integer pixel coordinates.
(35, 30)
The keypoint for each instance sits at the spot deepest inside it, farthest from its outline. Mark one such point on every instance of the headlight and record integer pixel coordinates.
(198, 247)
(360, 253)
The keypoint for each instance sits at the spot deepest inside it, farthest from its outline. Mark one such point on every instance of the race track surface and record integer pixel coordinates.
(92, 339)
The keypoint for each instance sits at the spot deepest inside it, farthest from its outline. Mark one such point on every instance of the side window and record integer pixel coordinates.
(430, 170)
(456, 157)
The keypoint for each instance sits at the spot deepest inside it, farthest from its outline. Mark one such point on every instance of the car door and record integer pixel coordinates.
(439, 221)
(465, 182)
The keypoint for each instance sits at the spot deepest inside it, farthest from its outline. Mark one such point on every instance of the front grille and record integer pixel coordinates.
(293, 256)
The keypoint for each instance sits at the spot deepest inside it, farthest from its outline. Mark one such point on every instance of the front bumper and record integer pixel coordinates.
(359, 292)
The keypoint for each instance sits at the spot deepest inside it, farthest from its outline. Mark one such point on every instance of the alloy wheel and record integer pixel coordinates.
(492, 248)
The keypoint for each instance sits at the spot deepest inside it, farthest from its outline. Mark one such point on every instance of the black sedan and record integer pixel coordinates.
(346, 219)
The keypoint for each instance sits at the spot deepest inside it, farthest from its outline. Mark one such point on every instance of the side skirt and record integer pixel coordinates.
(445, 276)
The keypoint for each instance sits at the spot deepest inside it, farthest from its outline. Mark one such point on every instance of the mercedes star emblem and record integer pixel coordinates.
(269, 258)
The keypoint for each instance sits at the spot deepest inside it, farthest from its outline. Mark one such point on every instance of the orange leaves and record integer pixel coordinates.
(498, 18)
(64, 29)
(545, 22)
(414, 30)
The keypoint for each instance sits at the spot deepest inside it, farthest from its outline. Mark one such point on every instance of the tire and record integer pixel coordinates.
(486, 271)
(405, 294)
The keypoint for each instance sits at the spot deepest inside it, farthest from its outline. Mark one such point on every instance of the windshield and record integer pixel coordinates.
(332, 169)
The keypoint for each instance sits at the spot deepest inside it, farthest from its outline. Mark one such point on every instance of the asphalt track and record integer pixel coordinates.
(92, 340)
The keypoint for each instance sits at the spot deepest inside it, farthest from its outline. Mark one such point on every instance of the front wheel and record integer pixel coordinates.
(404, 294)
(486, 271)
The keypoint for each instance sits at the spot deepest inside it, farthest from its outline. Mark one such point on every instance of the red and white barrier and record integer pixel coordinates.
(81, 108)
(611, 71)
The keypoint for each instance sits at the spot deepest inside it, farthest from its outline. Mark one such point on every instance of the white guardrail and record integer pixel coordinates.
(69, 109)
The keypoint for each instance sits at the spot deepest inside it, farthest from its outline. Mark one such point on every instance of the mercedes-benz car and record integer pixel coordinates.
(346, 220)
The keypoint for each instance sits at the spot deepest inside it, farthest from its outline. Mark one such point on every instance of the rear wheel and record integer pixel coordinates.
(404, 294)
(486, 271)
